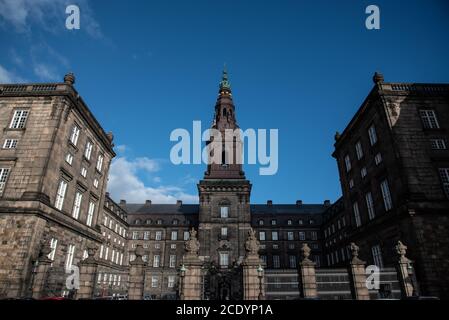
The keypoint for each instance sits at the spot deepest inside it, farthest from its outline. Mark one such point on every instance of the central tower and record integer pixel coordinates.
(224, 193)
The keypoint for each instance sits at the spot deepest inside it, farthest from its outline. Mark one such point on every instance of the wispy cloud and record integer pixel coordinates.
(125, 183)
(8, 76)
(45, 72)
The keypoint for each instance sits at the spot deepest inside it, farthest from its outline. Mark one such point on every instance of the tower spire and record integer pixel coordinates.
(225, 85)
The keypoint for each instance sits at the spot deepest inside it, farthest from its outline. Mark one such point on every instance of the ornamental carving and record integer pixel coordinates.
(252, 244)
(192, 246)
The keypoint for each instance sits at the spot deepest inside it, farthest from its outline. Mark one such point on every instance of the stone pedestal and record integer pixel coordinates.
(40, 277)
(190, 280)
(253, 280)
(405, 271)
(88, 275)
(137, 276)
(358, 275)
(308, 279)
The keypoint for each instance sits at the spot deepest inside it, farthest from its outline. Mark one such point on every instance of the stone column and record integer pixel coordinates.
(137, 275)
(307, 271)
(88, 275)
(405, 271)
(190, 272)
(253, 276)
(358, 275)
(41, 275)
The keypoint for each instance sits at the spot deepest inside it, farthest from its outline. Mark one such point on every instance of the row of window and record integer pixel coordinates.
(170, 281)
(114, 279)
(114, 226)
(330, 230)
(158, 221)
(344, 254)
(70, 253)
(156, 262)
(289, 222)
(291, 246)
(74, 136)
(290, 235)
(292, 261)
(116, 256)
(158, 235)
(60, 198)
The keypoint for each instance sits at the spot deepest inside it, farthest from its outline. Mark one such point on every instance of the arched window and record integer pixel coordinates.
(224, 112)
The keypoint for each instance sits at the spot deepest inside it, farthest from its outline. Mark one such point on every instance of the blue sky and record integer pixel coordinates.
(148, 67)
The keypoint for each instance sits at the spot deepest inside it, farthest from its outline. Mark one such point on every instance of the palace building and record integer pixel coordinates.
(55, 212)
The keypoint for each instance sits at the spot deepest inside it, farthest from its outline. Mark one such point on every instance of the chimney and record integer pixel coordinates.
(107, 194)
(327, 203)
(269, 202)
(299, 203)
(178, 202)
(122, 202)
(148, 202)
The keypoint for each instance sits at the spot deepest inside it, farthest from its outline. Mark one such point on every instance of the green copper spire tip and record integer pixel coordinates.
(224, 83)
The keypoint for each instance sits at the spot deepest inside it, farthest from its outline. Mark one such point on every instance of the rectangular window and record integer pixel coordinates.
(377, 256)
(314, 235)
(378, 158)
(101, 251)
(3, 177)
(154, 282)
(77, 205)
(10, 144)
(444, 175)
(172, 261)
(60, 196)
(135, 235)
(359, 150)
(146, 235)
(174, 235)
(438, 144)
(224, 212)
(88, 150)
(262, 235)
(224, 232)
(90, 213)
(84, 172)
(274, 236)
(100, 162)
(290, 236)
(429, 119)
(171, 281)
(358, 221)
(264, 259)
(363, 172)
(370, 205)
(276, 262)
(292, 261)
(351, 183)
(69, 158)
(347, 163)
(158, 235)
(372, 135)
(19, 119)
(186, 235)
(386, 195)
(224, 259)
(273, 222)
(74, 135)
(70, 255)
(53, 246)
(302, 235)
(96, 183)
(156, 261)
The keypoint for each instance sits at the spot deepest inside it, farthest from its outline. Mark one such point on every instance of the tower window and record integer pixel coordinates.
(224, 212)
(224, 259)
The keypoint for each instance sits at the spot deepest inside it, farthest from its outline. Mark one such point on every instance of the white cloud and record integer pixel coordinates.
(8, 76)
(121, 148)
(45, 72)
(23, 14)
(124, 183)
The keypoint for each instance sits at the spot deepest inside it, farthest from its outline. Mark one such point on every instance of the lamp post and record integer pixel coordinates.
(182, 273)
(260, 276)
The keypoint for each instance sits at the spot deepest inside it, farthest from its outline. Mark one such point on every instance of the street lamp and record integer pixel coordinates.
(182, 273)
(260, 276)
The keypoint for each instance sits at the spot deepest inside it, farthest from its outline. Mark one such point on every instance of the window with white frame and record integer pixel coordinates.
(171, 281)
(302, 235)
(386, 195)
(292, 261)
(158, 235)
(19, 119)
(363, 172)
(83, 172)
(60, 195)
(70, 255)
(101, 251)
(186, 235)
(74, 135)
(377, 256)
(347, 163)
(90, 213)
(274, 236)
(53, 246)
(135, 235)
(355, 208)
(370, 205)
(224, 212)
(174, 235)
(100, 162)
(224, 259)
(95, 183)
(154, 281)
(172, 261)
(77, 205)
(429, 119)
(10, 144)
(224, 232)
(146, 235)
(106, 253)
(359, 150)
(438, 144)
(444, 175)
(69, 158)
(88, 150)
(262, 235)
(290, 236)
(378, 158)
(273, 222)
(4, 172)
(276, 262)
(289, 222)
(372, 134)
(156, 261)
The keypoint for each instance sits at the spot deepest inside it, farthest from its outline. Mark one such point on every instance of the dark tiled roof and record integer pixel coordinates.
(288, 209)
(134, 208)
